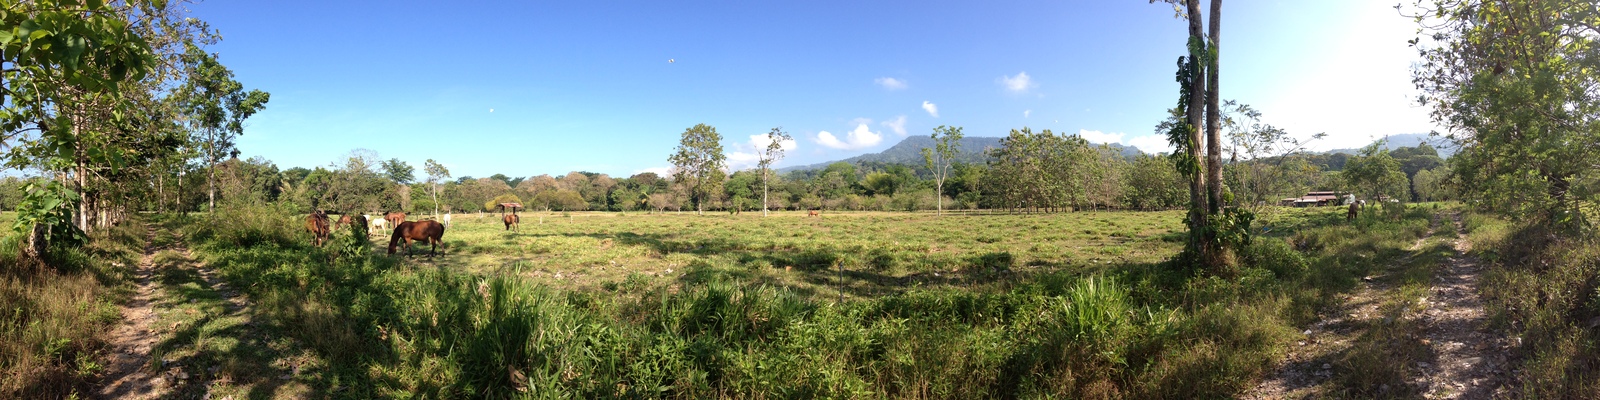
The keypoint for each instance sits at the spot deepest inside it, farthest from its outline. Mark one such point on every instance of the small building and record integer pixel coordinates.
(1317, 199)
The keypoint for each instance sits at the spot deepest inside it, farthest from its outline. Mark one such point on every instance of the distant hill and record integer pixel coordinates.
(909, 151)
(1445, 148)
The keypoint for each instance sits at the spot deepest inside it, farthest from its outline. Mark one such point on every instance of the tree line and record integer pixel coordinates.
(1030, 172)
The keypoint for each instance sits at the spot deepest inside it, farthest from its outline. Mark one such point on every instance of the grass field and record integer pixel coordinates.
(682, 306)
(880, 253)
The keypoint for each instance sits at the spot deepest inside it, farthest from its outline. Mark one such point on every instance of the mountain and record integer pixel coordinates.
(1445, 148)
(909, 151)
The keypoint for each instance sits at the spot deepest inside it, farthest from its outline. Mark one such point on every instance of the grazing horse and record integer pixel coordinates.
(445, 220)
(379, 225)
(512, 220)
(814, 213)
(395, 218)
(430, 231)
(1355, 209)
(317, 223)
(344, 220)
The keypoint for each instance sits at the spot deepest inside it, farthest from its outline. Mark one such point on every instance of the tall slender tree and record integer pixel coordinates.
(436, 173)
(947, 143)
(1198, 77)
(218, 106)
(776, 140)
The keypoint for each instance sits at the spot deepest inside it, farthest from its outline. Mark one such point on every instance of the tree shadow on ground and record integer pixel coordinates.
(207, 357)
(856, 271)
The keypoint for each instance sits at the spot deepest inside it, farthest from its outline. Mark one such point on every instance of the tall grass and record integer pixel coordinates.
(1134, 331)
(1543, 287)
(53, 316)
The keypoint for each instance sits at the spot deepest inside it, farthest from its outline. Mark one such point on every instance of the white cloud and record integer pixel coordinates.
(859, 138)
(890, 83)
(931, 108)
(1151, 143)
(760, 142)
(748, 154)
(1026, 113)
(1146, 143)
(739, 160)
(1017, 84)
(1099, 137)
(897, 125)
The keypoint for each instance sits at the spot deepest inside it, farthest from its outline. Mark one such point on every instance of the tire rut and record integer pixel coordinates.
(126, 375)
(1470, 360)
(1463, 359)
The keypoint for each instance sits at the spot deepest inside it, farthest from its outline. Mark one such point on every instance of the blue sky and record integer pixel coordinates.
(588, 86)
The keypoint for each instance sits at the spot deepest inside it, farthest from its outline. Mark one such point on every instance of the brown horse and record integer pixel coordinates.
(344, 220)
(512, 221)
(1355, 209)
(813, 213)
(395, 218)
(317, 223)
(430, 231)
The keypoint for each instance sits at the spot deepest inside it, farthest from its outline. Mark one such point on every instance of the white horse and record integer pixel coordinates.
(378, 225)
(445, 220)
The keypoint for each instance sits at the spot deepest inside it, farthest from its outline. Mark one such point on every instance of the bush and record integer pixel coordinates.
(1275, 255)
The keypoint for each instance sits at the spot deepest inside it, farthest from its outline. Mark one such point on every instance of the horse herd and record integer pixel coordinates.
(424, 230)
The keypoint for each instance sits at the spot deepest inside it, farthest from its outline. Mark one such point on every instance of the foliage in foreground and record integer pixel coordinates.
(1139, 331)
(53, 316)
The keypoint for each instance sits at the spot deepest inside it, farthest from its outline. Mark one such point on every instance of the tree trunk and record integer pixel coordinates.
(1215, 257)
(211, 178)
(763, 192)
(211, 188)
(1214, 113)
(1197, 184)
(80, 181)
(938, 196)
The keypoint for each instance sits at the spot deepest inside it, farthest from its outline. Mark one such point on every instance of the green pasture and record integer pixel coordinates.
(860, 253)
(849, 305)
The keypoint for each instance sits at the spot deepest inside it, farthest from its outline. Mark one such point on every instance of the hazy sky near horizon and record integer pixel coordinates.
(528, 88)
